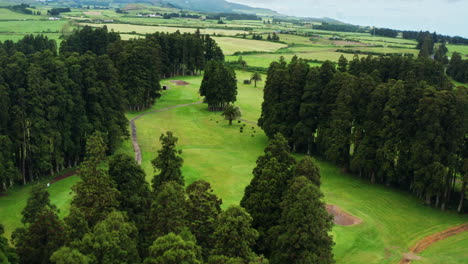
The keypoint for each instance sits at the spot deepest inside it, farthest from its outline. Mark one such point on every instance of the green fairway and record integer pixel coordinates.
(218, 153)
(452, 250)
(15, 199)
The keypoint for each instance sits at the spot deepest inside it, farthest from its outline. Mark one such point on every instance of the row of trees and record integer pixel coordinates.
(51, 102)
(392, 120)
(386, 32)
(458, 68)
(116, 218)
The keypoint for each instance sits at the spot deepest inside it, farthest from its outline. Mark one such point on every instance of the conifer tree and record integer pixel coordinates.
(37, 241)
(7, 253)
(203, 207)
(173, 249)
(96, 195)
(168, 162)
(303, 212)
(113, 240)
(169, 210)
(37, 201)
(234, 236)
(219, 85)
(263, 195)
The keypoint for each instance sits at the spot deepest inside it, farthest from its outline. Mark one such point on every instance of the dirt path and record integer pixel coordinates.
(429, 240)
(133, 127)
(247, 121)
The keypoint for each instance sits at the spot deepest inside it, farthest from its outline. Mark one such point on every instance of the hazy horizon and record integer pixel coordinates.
(443, 16)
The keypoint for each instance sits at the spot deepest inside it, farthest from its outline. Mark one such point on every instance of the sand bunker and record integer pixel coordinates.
(342, 218)
(178, 82)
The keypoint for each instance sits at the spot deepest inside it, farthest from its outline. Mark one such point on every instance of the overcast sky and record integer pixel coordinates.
(444, 16)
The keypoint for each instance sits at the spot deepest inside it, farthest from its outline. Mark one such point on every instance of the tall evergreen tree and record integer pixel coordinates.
(37, 201)
(203, 207)
(169, 210)
(234, 236)
(113, 240)
(36, 242)
(96, 195)
(263, 195)
(303, 212)
(219, 85)
(173, 249)
(7, 253)
(168, 162)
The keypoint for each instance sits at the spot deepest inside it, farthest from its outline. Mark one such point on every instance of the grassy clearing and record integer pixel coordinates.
(462, 49)
(232, 45)
(28, 27)
(127, 28)
(452, 250)
(6, 14)
(218, 153)
(13, 203)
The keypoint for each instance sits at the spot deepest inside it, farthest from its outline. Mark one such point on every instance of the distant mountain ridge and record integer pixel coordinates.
(220, 6)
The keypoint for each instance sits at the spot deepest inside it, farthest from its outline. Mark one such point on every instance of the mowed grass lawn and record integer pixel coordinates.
(214, 151)
(452, 250)
(15, 199)
(232, 45)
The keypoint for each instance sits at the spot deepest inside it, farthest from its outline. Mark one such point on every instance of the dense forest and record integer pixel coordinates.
(116, 217)
(394, 120)
(50, 103)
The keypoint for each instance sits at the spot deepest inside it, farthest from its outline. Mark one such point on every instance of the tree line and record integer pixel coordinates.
(115, 217)
(50, 103)
(458, 68)
(393, 120)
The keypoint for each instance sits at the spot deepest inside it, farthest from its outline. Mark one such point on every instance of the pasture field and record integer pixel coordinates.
(32, 27)
(128, 28)
(6, 14)
(462, 49)
(232, 45)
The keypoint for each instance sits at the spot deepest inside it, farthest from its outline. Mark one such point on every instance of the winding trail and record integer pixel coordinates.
(136, 146)
(429, 240)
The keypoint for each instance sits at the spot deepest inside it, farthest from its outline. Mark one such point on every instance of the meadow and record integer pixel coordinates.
(129, 28)
(232, 45)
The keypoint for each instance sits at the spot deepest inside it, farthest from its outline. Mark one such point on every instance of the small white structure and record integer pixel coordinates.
(54, 18)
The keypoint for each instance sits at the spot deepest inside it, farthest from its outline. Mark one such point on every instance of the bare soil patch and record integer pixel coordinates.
(96, 13)
(341, 217)
(429, 240)
(178, 82)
